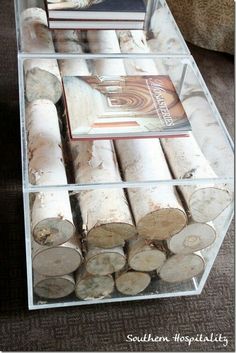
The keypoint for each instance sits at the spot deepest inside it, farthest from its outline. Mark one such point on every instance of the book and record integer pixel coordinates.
(113, 25)
(97, 10)
(123, 106)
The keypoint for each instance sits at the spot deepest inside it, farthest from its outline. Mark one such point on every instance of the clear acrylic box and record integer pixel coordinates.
(172, 59)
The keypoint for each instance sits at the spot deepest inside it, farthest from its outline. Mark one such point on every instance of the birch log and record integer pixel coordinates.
(179, 268)
(58, 260)
(158, 212)
(209, 135)
(205, 201)
(186, 161)
(52, 220)
(105, 42)
(53, 287)
(194, 237)
(90, 287)
(153, 214)
(135, 42)
(105, 212)
(104, 261)
(163, 30)
(42, 76)
(131, 282)
(145, 256)
(69, 41)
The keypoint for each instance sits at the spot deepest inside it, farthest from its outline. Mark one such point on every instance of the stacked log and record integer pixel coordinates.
(207, 201)
(105, 212)
(209, 135)
(154, 208)
(100, 261)
(158, 212)
(90, 287)
(53, 287)
(58, 260)
(52, 221)
(164, 39)
(69, 41)
(179, 268)
(42, 76)
(130, 282)
(194, 237)
(145, 255)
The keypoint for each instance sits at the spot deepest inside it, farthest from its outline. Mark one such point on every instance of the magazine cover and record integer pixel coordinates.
(123, 106)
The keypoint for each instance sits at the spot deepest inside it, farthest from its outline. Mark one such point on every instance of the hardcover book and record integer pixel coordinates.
(113, 25)
(97, 9)
(123, 106)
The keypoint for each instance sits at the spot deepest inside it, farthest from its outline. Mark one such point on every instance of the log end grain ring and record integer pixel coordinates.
(57, 261)
(208, 203)
(106, 263)
(54, 287)
(132, 283)
(110, 235)
(53, 231)
(179, 268)
(193, 237)
(147, 260)
(162, 224)
(94, 287)
(38, 87)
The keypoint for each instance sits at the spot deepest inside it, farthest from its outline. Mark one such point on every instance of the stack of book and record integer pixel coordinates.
(96, 14)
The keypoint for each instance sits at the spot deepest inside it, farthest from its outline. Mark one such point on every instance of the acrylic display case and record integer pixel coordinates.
(195, 164)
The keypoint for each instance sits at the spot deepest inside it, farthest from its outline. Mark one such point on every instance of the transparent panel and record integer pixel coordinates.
(100, 246)
(160, 35)
(52, 159)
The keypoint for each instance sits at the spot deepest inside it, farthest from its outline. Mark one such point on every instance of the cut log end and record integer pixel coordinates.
(110, 235)
(192, 238)
(53, 287)
(38, 87)
(132, 283)
(94, 287)
(148, 260)
(208, 203)
(57, 261)
(162, 224)
(53, 231)
(179, 268)
(105, 263)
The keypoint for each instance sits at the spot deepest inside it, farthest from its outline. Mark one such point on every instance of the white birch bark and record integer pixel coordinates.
(105, 42)
(204, 201)
(42, 76)
(158, 211)
(52, 221)
(69, 41)
(210, 200)
(105, 212)
(209, 135)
